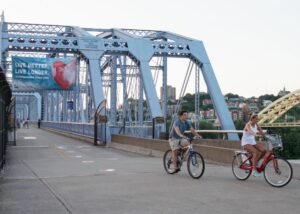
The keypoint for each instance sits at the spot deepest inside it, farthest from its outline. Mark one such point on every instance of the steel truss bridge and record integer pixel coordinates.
(120, 66)
(278, 108)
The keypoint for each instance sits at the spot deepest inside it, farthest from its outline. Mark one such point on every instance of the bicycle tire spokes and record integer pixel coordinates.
(276, 166)
(278, 172)
(167, 161)
(194, 158)
(195, 167)
(240, 171)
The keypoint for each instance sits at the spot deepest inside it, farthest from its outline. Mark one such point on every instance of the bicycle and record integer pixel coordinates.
(195, 161)
(278, 172)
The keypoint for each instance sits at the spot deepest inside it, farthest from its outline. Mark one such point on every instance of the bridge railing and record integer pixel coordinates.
(138, 131)
(145, 131)
(83, 129)
(87, 129)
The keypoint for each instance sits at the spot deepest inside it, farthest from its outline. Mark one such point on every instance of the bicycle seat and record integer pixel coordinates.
(240, 151)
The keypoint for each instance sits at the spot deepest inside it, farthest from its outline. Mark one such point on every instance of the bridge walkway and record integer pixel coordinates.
(49, 173)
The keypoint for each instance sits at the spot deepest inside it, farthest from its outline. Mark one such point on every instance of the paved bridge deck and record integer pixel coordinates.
(48, 173)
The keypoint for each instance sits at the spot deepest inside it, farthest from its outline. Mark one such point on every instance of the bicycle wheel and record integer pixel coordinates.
(240, 174)
(195, 165)
(168, 161)
(278, 172)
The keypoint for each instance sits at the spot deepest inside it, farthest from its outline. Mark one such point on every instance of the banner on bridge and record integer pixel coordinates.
(31, 73)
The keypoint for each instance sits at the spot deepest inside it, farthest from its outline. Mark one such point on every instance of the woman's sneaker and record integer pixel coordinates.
(256, 173)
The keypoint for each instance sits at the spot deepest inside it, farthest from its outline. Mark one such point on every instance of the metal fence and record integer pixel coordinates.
(5, 100)
(82, 129)
(3, 133)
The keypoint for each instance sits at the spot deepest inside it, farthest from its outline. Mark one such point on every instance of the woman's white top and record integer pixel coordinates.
(249, 138)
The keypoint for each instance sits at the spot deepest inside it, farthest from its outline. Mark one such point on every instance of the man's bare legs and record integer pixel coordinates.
(174, 158)
(183, 143)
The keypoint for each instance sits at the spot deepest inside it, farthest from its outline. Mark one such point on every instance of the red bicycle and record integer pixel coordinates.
(278, 172)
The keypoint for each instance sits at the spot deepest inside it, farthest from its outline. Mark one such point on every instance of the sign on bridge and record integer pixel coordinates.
(44, 73)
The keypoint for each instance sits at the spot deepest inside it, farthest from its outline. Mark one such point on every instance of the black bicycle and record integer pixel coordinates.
(195, 161)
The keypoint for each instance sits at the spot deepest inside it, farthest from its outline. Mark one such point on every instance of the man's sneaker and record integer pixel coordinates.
(177, 170)
(173, 169)
(256, 173)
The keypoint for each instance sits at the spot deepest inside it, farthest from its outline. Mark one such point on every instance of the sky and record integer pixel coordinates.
(253, 46)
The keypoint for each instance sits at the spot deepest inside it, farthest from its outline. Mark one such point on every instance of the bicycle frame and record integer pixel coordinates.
(270, 156)
(184, 153)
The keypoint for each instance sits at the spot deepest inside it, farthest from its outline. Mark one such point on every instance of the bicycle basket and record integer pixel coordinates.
(274, 141)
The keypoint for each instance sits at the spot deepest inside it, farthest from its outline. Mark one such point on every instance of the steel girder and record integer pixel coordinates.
(140, 45)
(276, 109)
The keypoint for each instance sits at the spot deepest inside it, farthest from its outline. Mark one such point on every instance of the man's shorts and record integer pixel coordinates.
(174, 143)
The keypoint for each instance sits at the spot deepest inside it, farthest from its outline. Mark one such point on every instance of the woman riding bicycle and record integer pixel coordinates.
(177, 139)
(248, 142)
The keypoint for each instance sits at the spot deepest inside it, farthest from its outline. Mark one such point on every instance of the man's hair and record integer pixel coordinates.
(182, 112)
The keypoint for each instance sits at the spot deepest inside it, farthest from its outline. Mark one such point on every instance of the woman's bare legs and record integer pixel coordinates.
(256, 154)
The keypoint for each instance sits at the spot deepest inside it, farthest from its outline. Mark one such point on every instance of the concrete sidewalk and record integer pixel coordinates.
(48, 173)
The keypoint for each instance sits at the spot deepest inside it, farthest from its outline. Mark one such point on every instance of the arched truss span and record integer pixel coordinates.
(272, 112)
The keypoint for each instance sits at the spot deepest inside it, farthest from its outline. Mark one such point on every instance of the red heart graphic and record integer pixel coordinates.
(64, 74)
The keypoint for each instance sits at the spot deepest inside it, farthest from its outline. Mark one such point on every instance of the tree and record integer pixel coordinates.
(230, 95)
(239, 124)
(268, 97)
(291, 141)
(204, 125)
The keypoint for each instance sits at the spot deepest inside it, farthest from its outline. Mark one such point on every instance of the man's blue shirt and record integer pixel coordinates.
(182, 126)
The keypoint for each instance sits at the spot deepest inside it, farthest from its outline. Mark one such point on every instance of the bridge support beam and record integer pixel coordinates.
(96, 80)
(198, 51)
(143, 52)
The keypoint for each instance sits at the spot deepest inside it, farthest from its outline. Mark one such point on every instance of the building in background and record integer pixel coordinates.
(171, 93)
(283, 92)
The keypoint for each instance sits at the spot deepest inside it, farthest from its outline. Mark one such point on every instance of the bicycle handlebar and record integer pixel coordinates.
(191, 138)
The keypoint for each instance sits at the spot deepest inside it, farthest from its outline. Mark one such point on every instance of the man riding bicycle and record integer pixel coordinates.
(177, 138)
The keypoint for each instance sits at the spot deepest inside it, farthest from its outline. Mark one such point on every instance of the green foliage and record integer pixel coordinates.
(230, 95)
(188, 106)
(239, 124)
(188, 102)
(204, 96)
(268, 97)
(204, 125)
(207, 107)
(291, 141)
(189, 97)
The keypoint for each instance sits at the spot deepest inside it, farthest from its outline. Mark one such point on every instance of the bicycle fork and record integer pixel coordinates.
(192, 155)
